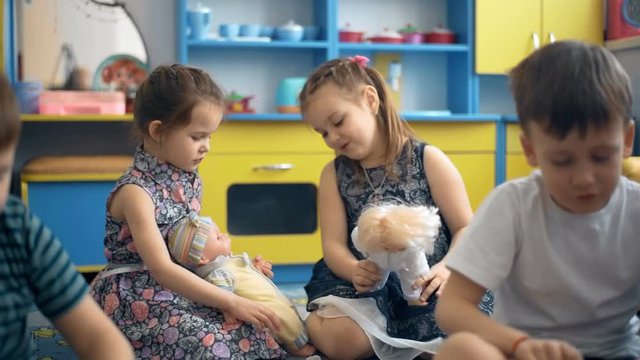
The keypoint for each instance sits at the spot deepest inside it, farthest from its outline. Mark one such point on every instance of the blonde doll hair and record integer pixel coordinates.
(392, 226)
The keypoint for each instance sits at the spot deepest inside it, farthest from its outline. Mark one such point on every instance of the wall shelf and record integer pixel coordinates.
(629, 43)
(256, 44)
(434, 76)
(404, 47)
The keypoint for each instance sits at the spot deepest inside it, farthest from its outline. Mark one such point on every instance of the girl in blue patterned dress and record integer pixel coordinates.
(378, 159)
(165, 310)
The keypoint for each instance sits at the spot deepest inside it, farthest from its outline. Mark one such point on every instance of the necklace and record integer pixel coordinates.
(376, 196)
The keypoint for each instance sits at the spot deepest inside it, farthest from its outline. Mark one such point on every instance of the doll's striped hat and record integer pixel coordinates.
(187, 239)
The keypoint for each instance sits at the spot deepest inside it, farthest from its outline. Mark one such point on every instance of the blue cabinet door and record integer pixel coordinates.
(76, 213)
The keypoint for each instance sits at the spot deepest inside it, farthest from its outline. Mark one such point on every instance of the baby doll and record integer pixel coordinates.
(197, 243)
(398, 238)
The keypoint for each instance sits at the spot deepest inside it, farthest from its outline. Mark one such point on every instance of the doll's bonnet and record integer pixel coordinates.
(187, 239)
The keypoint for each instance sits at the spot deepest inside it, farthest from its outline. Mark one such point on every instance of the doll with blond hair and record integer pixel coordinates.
(398, 238)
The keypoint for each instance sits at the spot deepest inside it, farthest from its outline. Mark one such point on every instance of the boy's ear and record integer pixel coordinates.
(527, 147)
(371, 97)
(155, 128)
(629, 136)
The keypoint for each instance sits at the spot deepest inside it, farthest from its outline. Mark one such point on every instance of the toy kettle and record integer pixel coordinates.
(199, 22)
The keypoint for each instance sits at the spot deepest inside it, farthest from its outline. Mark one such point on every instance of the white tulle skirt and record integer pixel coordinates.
(365, 312)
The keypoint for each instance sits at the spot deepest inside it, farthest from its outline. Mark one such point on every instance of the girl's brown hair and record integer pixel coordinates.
(351, 76)
(169, 94)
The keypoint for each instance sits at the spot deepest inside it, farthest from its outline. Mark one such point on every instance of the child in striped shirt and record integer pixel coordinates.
(36, 270)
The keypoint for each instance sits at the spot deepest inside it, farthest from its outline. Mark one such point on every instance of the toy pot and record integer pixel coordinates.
(440, 35)
(347, 34)
(290, 32)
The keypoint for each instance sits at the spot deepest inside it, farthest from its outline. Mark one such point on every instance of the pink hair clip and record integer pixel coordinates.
(362, 61)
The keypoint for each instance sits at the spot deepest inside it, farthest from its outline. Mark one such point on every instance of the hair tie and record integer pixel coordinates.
(362, 61)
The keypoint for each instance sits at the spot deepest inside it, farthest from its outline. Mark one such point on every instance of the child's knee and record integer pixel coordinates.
(338, 338)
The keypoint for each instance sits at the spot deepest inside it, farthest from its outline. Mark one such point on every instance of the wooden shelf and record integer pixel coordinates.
(76, 118)
(629, 43)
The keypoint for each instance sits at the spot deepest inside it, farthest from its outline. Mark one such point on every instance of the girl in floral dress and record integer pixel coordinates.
(165, 310)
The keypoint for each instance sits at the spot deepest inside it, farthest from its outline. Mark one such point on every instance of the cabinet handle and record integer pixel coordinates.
(273, 167)
(536, 40)
(552, 37)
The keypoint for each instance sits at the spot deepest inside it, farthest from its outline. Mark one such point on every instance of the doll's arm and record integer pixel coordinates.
(221, 278)
(264, 266)
(356, 244)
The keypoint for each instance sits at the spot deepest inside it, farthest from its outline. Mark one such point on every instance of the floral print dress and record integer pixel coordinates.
(160, 323)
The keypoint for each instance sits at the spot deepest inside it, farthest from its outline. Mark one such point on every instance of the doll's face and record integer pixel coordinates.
(217, 244)
(392, 246)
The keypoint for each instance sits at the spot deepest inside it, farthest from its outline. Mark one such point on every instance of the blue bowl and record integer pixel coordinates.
(250, 30)
(285, 34)
(267, 31)
(229, 30)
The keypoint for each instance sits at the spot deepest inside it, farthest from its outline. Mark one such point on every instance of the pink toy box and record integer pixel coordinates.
(61, 102)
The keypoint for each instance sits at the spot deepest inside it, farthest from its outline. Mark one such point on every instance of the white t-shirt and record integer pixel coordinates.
(556, 274)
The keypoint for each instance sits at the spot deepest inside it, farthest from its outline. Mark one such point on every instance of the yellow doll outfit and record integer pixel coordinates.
(236, 273)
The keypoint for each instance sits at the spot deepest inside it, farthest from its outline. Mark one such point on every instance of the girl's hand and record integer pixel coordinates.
(254, 313)
(264, 266)
(434, 281)
(365, 275)
(228, 318)
(542, 349)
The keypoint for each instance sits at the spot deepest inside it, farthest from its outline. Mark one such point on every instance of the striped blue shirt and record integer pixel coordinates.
(34, 269)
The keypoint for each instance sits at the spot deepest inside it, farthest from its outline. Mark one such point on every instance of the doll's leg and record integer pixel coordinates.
(407, 278)
(418, 266)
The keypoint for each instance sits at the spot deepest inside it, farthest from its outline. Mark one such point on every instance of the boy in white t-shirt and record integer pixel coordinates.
(560, 248)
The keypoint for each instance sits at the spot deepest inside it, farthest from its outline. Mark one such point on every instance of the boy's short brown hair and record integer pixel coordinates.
(570, 84)
(9, 115)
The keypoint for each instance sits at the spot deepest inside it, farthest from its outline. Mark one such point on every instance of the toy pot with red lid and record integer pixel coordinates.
(387, 36)
(440, 35)
(347, 34)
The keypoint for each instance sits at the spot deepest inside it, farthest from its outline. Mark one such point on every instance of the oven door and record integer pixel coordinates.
(267, 203)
